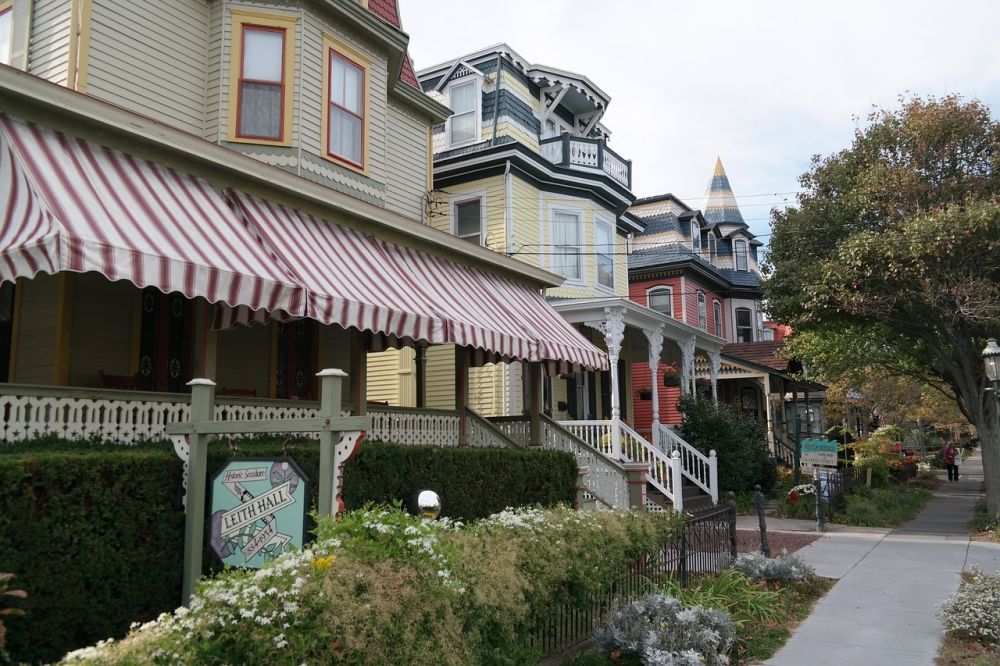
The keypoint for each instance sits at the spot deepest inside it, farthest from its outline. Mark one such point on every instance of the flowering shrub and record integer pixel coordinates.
(382, 587)
(662, 632)
(781, 569)
(796, 493)
(973, 613)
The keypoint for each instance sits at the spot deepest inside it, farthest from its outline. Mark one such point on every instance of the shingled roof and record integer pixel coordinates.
(720, 205)
(762, 353)
(388, 11)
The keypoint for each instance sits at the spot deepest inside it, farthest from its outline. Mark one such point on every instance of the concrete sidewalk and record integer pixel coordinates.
(883, 609)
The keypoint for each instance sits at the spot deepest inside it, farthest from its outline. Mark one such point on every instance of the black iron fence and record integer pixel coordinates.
(706, 545)
(837, 485)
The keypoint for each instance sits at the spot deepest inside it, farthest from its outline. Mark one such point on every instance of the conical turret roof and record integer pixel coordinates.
(720, 202)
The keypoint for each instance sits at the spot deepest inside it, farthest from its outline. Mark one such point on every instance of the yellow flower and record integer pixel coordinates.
(323, 563)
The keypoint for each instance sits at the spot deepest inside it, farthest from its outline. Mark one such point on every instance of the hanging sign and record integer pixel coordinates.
(818, 452)
(258, 510)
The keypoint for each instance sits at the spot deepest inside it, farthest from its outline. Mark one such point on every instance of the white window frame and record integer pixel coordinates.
(578, 213)
(713, 249)
(719, 330)
(737, 244)
(477, 81)
(737, 327)
(695, 237)
(7, 9)
(599, 222)
(465, 198)
(670, 298)
(702, 311)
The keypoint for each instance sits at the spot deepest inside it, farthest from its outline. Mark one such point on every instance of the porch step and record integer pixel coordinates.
(694, 498)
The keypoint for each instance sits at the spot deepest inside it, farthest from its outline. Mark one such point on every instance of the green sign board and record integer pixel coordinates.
(258, 510)
(818, 452)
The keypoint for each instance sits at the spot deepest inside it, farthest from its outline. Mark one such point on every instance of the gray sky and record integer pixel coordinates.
(763, 85)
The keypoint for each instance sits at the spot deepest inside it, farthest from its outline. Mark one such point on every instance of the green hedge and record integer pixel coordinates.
(94, 532)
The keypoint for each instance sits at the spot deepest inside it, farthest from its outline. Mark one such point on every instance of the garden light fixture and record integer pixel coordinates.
(991, 360)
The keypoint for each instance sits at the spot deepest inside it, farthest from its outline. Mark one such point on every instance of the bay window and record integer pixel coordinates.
(468, 220)
(744, 325)
(740, 250)
(604, 249)
(566, 242)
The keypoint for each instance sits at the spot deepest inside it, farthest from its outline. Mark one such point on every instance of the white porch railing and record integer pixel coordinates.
(482, 432)
(606, 479)
(702, 470)
(410, 426)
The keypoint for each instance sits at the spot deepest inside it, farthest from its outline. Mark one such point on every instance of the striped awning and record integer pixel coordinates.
(71, 205)
(355, 280)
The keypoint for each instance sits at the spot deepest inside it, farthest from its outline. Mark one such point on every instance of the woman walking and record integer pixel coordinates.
(951, 454)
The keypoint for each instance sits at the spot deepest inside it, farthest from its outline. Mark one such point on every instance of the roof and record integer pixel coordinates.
(741, 278)
(669, 253)
(720, 204)
(762, 353)
(388, 11)
(657, 224)
(660, 197)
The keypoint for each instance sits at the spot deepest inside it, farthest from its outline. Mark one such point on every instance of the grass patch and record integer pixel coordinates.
(883, 507)
(957, 652)
(984, 527)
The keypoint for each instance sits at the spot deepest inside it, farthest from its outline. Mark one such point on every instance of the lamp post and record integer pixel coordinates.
(991, 362)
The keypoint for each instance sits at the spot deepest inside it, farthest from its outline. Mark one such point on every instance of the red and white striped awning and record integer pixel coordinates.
(71, 205)
(355, 280)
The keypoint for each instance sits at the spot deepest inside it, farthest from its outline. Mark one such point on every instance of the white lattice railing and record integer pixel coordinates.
(410, 426)
(702, 470)
(516, 428)
(482, 432)
(606, 480)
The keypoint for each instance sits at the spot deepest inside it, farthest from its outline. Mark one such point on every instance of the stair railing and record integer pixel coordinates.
(702, 470)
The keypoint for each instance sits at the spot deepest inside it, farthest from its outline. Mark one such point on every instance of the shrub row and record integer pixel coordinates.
(95, 532)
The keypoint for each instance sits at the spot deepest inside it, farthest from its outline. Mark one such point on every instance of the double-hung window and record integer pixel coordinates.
(6, 33)
(604, 248)
(261, 78)
(661, 300)
(740, 250)
(696, 237)
(744, 325)
(262, 83)
(566, 241)
(702, 312)
(346, 113)
(464, 99)
(717, 312)
(468, 217)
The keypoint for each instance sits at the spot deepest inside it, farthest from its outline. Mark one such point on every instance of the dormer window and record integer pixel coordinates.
(6, 33)
(740, 252)
(696, 237)
(465, 98)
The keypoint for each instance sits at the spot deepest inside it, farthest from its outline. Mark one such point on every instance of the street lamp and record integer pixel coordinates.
(991, 362)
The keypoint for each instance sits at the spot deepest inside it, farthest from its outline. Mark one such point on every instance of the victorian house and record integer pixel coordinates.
(702, 267)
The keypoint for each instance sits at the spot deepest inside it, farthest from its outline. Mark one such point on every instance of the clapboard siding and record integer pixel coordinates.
(441, 377)
(407, 159)
(101, 334)
(48, 55)
(243, 359)
(383, 376)
(36, 336)
(151, 58)
(214, 74)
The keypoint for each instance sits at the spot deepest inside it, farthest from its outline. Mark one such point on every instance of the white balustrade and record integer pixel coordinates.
(702, 470)
(552, 151)
(414, 427)
(584, 153)
(481, 432)
(598, 434)
(516, 428)
(615, 167)
(606, 480)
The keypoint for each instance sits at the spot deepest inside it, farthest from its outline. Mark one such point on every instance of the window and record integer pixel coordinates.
(6, 32)
(661, 300)
(346, 115)
(695, 237)
(464, 125)
(717, 312)
(566, 244)
(744, 325)
(604, 241)
(702, 312)
(712, 249)
(468, 220)
(740, 247)
(261, 72)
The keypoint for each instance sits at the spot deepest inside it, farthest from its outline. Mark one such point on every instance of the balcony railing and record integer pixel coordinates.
(587, 155)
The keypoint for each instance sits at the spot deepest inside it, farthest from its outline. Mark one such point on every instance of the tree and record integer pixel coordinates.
(895, 244)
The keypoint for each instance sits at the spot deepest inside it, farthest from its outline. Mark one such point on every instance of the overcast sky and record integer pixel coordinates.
(763, 85)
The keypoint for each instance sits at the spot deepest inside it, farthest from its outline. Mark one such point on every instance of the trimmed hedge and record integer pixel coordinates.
(95, 532)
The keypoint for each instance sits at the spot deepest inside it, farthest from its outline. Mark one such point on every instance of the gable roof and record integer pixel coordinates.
(762, 353)
(720, 205)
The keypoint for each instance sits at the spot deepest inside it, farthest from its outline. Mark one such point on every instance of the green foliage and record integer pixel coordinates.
(784, 569)
(973, 613)
(733, 592)
(738, 439)
(96, 531)
(6, 610)
(383, 587)
(883, 507)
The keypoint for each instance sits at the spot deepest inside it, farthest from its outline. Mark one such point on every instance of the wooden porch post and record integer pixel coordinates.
(462, 392)
(535, 404)
(655, 338)
(205, 340)
(63, 329)
(360, 371)
(420, 367)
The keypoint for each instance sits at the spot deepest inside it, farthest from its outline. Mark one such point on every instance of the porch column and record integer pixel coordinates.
(769, 410)
(535, 404)
(420, 368)
(205, 340)
(360, 344)
(462, 392)
(715, 363)
(613, 328)
(687, 366)
(655, 337)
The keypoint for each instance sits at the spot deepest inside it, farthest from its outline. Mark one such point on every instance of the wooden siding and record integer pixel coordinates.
(657, 207)
(441, 377)
(407, 163)
(488, 389)
(492, 189)
(243, 359)
(101, 332)
(638, 292)
(526, 204)
(36, 337)
(215, 72)
(48, 55)
(383, 376)
(151, 57)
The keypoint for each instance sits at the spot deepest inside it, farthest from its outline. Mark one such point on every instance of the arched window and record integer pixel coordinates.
(661, 299)
(702, 312)
(744, 325)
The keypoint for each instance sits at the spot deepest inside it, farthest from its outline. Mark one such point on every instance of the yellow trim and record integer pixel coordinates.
(83, 45)
(286, 22)
(332, 43)
(15, 329)
(73, 48)
(64, 325)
